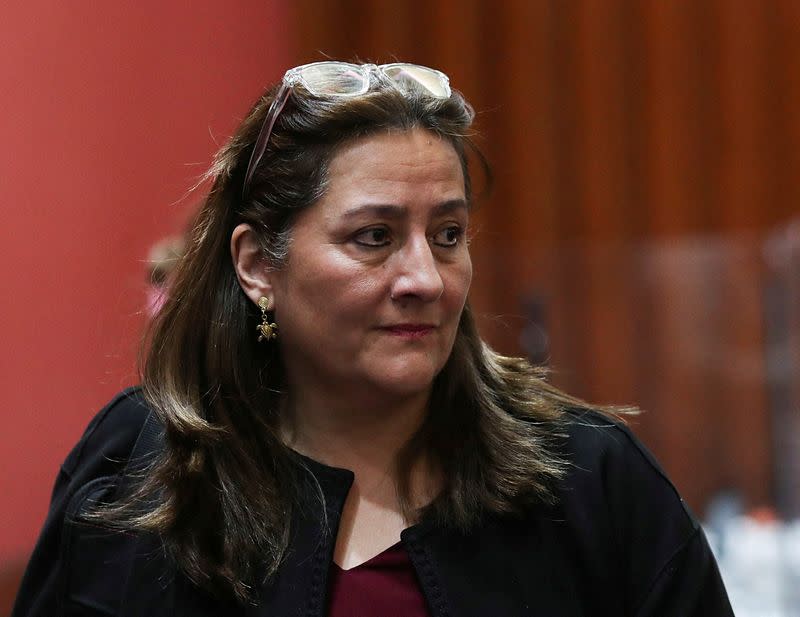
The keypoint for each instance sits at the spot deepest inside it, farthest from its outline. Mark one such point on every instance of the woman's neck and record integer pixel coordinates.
(364, 438)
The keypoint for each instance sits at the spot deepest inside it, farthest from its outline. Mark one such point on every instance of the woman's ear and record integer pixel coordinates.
(251, 267)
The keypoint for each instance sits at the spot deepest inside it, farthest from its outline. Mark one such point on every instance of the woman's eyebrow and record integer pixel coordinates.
(393, 211)
(450, 206)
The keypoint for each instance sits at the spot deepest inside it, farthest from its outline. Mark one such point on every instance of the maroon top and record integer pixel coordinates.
(384, 586)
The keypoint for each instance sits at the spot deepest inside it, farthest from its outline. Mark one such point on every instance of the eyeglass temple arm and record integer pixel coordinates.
(262, 140)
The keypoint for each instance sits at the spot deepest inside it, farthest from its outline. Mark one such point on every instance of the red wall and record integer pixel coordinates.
(109, 111)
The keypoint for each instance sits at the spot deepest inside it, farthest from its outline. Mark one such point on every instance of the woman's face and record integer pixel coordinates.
(378, 271)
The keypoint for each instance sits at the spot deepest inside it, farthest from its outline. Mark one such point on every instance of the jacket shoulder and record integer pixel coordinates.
(594, 438)
(620, 502)
(63, 570)
(109, 438)
(603, 452)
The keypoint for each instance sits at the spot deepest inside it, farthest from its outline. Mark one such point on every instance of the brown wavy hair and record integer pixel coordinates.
(226, 484)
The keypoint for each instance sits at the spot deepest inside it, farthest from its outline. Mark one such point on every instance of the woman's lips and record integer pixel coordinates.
(411, 331)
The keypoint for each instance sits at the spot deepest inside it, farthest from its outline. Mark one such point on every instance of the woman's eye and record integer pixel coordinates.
(374, 236)
(449, 236)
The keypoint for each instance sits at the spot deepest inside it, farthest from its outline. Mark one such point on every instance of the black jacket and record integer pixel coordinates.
(619, 542)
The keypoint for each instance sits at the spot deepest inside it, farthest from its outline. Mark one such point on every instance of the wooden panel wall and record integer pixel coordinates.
(643, 151)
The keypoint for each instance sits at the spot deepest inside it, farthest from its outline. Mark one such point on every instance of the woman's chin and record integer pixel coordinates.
(406, 381)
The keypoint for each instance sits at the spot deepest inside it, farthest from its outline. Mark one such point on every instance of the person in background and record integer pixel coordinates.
(161, 263)
(321, 430)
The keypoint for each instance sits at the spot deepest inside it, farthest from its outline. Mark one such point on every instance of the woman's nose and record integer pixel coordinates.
(417, 272)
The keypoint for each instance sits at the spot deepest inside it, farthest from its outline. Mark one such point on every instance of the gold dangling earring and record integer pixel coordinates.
(267, 331)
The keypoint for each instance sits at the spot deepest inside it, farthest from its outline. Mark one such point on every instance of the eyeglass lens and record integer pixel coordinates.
(334, 79)
(410, 77)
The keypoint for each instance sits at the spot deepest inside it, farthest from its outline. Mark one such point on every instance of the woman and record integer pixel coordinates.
(320, 429)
